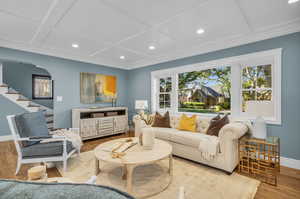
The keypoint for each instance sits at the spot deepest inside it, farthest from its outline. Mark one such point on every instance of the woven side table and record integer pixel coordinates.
(260, 158)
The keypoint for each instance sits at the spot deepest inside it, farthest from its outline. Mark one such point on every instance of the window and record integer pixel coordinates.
(165, 89)
(206, 91)
(257, 90)
(42, 87)
(245, 86)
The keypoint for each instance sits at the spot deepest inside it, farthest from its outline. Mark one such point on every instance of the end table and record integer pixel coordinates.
(260, 158)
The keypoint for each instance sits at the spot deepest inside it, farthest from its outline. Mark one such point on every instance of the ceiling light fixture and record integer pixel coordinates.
(200, 31)
(122, 57)
(151, 47)
(75, 45)
(292, 1)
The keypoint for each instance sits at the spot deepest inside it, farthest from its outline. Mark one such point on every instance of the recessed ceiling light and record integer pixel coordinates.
(151, 47)
(75, 45)
(122, 57)
(200, 31)
(292, 1)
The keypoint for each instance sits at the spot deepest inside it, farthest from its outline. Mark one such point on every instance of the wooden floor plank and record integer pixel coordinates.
(288, 181)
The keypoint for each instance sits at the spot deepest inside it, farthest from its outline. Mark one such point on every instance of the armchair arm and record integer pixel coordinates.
(46, 138)
(75, 130)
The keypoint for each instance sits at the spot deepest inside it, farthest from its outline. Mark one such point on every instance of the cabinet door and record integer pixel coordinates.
(105, 126)
(120, 124)
(88, 128)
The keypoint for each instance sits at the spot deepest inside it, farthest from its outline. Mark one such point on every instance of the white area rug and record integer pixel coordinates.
(199, 181)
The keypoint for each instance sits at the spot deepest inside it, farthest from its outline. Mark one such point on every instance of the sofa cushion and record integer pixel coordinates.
(188, 123)
(202, 124)
(161, 121)
(186, 138)
(32, 124)
(46, 149)
(216, 125)
(163, 133)
(174, 122)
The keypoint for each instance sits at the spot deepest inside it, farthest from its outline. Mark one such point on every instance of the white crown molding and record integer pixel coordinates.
(196, 49)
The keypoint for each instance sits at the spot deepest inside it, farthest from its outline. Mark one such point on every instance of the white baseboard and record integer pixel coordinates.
(290, 162)
(5, 138)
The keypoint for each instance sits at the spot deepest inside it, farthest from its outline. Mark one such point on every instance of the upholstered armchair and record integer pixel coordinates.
(33, 142)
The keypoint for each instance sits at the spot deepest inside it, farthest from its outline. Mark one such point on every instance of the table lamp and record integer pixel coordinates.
(141, 105)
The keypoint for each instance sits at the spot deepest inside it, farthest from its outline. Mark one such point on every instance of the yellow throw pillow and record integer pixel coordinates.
(187, 123)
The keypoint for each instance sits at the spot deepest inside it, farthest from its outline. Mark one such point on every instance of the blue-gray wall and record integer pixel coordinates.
(66, 75)
(7, 107)
(19, 77)
(289, 131)
(135, 84)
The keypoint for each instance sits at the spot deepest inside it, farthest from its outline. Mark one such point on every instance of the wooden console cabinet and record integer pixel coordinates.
(100, 122)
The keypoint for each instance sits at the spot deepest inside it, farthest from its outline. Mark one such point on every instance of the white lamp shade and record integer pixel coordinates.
(260, 128)
(141, 104)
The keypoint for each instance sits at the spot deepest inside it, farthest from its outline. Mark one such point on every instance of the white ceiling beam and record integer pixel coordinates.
(243, 15)
(57, 10)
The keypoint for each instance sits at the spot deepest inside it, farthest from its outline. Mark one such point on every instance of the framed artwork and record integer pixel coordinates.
(42, 87)
(97, 88)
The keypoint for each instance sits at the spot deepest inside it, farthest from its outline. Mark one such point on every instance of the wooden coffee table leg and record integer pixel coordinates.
(97, 166)
(171, 165)
(129, 169)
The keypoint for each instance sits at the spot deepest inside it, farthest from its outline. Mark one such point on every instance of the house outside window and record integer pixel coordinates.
(244, 86)
(206, 91)
(42, 87)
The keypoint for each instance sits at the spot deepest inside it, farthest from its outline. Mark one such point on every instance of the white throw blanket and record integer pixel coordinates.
(209, 146)
(71, 135)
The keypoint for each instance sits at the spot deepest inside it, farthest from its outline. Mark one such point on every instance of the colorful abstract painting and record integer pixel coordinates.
(96, 88)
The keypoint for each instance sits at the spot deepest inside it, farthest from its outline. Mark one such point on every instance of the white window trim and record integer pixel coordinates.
(235, 62)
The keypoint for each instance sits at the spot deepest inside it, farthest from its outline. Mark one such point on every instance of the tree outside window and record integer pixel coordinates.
(165, 89)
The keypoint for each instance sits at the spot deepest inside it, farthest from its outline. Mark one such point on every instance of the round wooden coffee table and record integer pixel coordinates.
(135, 156)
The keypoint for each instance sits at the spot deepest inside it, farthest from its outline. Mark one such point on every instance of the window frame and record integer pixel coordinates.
(165, 93)
(236, 63)
(35, 76)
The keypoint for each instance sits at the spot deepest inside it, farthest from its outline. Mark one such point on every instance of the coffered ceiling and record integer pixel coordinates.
(118, 33)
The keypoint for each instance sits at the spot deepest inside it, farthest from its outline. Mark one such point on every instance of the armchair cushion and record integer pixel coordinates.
(31, 125)
(45, 149)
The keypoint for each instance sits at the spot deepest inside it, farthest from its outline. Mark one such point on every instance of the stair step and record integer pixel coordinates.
(32, 105)
(12, 93)
(25, 100)
(48, 115)
(3, 85)
(50, 122)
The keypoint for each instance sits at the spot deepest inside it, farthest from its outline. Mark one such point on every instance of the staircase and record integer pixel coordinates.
(26, 103)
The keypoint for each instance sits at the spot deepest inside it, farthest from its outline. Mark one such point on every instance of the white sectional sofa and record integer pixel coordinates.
(185, 144)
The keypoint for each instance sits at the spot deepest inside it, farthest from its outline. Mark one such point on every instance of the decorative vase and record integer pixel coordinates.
(260, 128)
(141, 139)
(148, 138)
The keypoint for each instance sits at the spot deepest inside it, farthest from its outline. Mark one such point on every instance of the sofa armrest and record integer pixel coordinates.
(233, 131)
(138, 125)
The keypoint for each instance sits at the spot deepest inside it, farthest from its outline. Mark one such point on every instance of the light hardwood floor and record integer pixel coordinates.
(288, 182)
